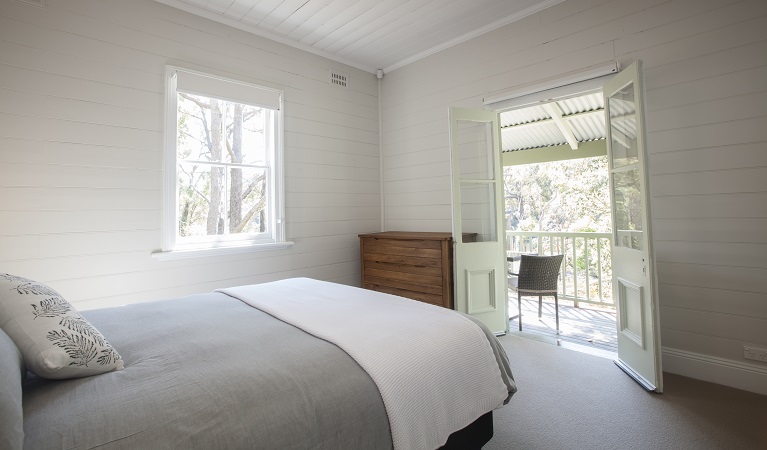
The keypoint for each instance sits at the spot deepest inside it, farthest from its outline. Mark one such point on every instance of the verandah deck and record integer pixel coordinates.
(585, 328)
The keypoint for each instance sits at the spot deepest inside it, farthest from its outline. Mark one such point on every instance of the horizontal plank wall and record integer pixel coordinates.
(81, 132)
(705, 70)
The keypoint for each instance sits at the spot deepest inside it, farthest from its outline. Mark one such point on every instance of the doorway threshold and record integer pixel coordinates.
(584, 329)
(565, 344)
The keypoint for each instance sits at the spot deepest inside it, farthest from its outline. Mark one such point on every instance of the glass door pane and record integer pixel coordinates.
(627, 201)
(476, 169)
(623, 127)
(475, 146)
(478, 212)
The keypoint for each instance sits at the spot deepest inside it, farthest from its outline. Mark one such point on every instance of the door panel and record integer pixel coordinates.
(633, 261)
(480, 287)
(479, 258)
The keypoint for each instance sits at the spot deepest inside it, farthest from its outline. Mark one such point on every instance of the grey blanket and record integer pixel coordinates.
(209, 372)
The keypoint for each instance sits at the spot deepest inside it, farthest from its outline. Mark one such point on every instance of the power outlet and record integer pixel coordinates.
(757, 354)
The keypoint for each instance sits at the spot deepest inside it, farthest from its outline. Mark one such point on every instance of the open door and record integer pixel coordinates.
(634, 287)
(478, 236)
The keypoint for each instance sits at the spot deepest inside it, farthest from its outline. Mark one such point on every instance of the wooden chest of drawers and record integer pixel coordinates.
(417, 265)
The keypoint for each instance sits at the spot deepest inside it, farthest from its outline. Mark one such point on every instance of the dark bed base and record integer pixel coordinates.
(473, 437)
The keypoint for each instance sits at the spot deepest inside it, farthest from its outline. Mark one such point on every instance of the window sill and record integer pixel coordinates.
(219, 251)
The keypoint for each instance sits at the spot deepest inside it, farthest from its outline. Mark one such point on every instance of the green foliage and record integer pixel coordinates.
(568, 195)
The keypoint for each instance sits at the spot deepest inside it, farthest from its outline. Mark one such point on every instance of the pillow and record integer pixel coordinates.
(11, 414)
(54, 339)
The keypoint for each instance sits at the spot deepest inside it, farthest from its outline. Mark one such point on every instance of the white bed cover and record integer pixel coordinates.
(434, 368)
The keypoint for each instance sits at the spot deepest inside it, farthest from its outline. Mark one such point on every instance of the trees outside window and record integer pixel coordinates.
(567, 196)
(222, 168)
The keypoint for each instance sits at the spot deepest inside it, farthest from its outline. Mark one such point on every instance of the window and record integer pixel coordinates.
(223, 174)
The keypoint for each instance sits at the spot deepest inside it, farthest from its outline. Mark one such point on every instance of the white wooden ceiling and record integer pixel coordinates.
(367, 34)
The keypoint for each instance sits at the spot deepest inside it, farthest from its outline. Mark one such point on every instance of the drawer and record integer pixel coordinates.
(412, 261)
(406, 243)
(404, 268)
(406, 277)
(404, 285)
(383, 247)
(421, 296)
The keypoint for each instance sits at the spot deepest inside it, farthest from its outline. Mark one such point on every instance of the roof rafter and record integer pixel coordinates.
(564, 127)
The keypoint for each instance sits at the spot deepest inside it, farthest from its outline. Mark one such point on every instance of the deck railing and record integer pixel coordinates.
(586, 275)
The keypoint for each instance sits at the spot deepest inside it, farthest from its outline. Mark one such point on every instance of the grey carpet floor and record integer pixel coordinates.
(572, 400)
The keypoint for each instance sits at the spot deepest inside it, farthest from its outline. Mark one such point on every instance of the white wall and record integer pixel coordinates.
(705, 71)
(81, 132)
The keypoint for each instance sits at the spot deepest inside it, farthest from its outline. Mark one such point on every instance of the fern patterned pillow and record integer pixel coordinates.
(54, 339)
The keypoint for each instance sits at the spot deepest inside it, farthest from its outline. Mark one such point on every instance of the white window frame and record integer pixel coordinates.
(172, 246)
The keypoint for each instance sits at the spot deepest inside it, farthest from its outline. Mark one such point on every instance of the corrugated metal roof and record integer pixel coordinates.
(533, 127)
(524, 115)
(589, 102)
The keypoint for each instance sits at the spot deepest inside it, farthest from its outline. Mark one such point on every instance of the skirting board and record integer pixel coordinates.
(749, 377)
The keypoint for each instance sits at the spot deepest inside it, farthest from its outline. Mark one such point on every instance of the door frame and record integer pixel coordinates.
(596, 85)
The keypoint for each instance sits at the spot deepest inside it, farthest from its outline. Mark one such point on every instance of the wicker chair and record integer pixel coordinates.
(537, 276)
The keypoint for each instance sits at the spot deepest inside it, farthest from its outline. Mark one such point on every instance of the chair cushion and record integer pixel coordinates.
(54, 339)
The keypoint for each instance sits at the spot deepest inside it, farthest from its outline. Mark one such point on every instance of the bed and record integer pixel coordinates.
(254, 367)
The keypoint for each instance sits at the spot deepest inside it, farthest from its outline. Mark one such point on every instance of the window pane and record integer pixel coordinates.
(201, 203)
(194, 124)
(628, 209)
(623, 133)
(254, 136)
(247, 201)
(216, 130)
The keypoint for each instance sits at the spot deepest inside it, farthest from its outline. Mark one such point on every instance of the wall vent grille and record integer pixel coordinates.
(339, 79)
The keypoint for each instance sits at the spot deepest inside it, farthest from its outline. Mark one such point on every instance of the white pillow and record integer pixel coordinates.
(54, 339)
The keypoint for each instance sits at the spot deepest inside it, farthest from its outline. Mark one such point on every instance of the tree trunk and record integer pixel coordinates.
(262, 214)
(235, 188)
(216, 173)
(542, 217)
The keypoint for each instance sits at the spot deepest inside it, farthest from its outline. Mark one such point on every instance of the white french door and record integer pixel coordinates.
(478, 233)
(634, 286)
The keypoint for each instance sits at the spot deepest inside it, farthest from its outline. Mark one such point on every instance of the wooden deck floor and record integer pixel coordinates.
(593, 329)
